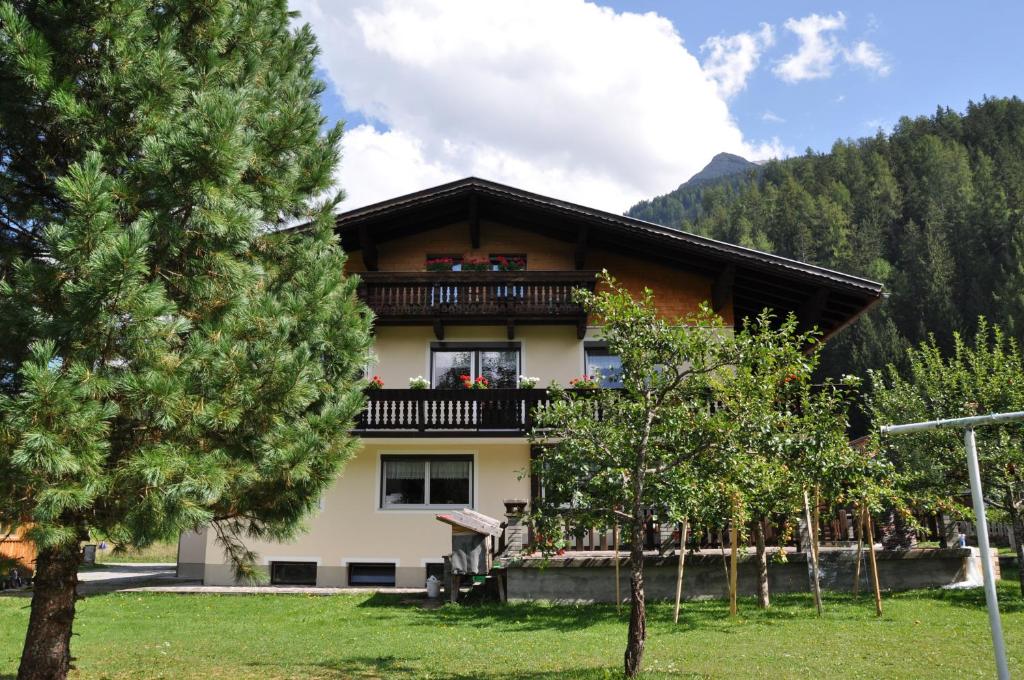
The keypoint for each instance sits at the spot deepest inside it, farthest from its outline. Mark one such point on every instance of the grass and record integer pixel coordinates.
(923, 634)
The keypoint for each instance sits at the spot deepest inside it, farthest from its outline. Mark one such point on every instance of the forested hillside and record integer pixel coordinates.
(934, 210)
(685, 203)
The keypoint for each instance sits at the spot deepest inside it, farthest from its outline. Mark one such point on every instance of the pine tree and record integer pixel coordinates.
(170, 358)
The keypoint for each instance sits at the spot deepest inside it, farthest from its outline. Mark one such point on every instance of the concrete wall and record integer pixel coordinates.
(593, 579)
(192, 554)
(352, 528)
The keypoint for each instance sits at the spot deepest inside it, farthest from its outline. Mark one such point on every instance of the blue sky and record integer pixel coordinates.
(607, 103)
(941, 53)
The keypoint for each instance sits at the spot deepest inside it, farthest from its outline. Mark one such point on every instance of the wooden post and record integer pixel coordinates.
(682, 565)
(734, 538)
(874, 564)
(860, 550)
(812, 555)
(618, 596)
(816, 514)
(455, 588)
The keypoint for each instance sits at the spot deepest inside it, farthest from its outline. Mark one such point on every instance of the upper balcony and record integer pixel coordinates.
(476, 297)
(409, 412)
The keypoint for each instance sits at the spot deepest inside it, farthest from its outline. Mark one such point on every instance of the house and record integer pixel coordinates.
(474, 278)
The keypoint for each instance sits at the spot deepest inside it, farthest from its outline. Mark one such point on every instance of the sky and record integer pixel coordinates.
(608, 103)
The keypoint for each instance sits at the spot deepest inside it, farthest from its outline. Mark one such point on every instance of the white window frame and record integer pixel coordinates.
(383, 506)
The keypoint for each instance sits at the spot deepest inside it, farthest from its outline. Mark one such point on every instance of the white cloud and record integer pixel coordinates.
(866, 55)
(771, 117)
(819, 50)
(379, 165)
(562, 97)
(732, 59)
(818, 47)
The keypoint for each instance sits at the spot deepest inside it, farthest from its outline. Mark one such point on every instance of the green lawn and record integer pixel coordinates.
(924, 634)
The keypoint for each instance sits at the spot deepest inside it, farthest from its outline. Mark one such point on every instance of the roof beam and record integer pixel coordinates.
(582, 235)
(369, 248)
(474, 222)
(721, 291)
(810, 313)
(438, 329)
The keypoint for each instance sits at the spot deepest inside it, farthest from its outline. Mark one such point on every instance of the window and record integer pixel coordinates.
(506, 262)
(293, 573)
(499, 363)
(606, 367)
(371, 574)
(443, 263)
(416, 481)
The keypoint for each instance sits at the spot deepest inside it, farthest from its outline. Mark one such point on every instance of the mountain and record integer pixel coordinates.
(685, 202)
(722, 165)
(934, 210)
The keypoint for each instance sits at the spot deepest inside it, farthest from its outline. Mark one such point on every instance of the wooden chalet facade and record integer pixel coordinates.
(476, 278)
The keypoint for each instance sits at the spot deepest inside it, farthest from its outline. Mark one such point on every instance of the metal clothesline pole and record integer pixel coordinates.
(974, 472)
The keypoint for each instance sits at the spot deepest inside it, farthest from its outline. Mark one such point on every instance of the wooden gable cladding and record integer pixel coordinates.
(681, 268)
(408, 253)
(677, 292)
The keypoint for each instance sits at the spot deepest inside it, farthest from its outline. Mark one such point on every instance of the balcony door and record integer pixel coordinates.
(499, 363)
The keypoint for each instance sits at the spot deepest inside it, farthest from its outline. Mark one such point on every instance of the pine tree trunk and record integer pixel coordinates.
(763, 600)
(47, 651)
(638, 606)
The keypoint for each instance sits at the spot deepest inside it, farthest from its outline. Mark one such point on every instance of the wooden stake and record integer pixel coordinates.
(874, 564)
(860, 551)
(817, 523)
(734, 538)
(682, 565)
(618, 597)
(812, 555)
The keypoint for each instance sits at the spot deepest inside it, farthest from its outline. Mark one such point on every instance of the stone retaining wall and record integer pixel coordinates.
(592, 579)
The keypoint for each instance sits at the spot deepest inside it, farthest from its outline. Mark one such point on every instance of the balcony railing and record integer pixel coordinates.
(475, 297)
(500, 412)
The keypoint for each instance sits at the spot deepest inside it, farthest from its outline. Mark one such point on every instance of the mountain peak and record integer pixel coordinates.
(721, 165)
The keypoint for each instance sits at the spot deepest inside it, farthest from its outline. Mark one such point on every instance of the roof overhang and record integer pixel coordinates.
(818, 296)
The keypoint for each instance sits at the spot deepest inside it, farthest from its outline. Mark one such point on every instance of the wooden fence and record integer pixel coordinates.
(15, 547)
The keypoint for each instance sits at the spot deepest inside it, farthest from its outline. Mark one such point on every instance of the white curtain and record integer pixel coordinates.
(403, 469)
(450, 469)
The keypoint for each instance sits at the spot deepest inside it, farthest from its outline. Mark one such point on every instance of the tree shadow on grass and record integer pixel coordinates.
(394, 667)
(357, 667)
(367, 668)
(518, 616)
(1010, 600)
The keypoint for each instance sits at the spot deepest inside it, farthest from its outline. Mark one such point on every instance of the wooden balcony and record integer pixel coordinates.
(492, 298)
(413, 413)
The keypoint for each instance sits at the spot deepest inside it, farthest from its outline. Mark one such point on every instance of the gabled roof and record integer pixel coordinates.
(827, 298)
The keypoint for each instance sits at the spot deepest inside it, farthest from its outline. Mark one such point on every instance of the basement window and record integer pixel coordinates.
(371, 574)
(293, 573)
